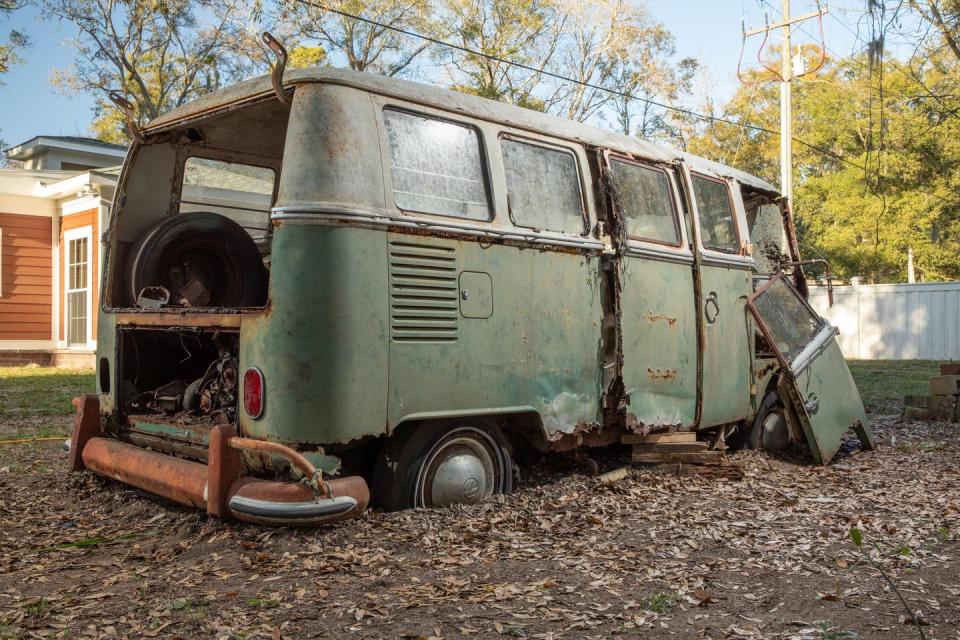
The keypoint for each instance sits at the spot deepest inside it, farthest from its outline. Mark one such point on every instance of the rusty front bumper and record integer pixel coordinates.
(218, 486)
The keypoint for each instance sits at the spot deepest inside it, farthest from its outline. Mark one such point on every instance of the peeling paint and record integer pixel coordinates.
(567, 410)
(659, 317)
(661, 374)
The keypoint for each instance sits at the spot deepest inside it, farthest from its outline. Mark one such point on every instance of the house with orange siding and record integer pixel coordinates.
(55, 196)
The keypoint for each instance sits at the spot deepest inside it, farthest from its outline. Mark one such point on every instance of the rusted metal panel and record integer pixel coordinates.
(816, 382)
(178, 480)
(536, 348)
(86, 425)
(226, 320)
(660, 341)
(262, 87)
(322, 347)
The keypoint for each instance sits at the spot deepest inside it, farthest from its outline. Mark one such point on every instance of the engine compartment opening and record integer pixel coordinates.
(183, 377)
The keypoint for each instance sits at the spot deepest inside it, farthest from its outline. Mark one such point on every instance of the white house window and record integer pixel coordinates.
(77, 253)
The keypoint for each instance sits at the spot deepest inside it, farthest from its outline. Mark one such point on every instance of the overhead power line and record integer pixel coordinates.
(589, 85)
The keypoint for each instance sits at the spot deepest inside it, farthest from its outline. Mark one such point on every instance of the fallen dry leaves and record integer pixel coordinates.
(565, 556)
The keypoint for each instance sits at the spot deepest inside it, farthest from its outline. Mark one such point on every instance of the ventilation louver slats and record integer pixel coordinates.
(423, 293)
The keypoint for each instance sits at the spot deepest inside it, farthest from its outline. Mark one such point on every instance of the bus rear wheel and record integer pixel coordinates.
(431, 465)
(770, 431)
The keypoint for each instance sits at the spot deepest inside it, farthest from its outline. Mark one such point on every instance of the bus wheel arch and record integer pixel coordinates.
(428, 463)
(770, 430)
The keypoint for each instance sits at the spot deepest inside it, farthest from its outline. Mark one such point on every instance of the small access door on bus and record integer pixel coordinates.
(816, 385)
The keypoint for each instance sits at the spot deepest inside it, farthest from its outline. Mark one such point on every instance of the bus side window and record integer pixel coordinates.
(646, 202)
(718, 230)
(543, 187)
(436, 166)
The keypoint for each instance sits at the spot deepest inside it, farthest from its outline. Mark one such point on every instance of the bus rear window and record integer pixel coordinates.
(543, 187)
(241, 192)
(436, 166)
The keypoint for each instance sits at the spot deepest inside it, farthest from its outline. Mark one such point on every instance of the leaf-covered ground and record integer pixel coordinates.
(562, 557)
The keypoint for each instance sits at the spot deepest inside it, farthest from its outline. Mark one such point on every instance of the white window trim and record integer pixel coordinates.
(68, 235)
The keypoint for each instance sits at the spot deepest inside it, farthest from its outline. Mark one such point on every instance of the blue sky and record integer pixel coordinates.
(708, 30)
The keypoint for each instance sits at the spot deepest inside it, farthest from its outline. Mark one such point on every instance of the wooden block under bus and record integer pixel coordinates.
(673, 436)
(707, 457)
(670, 447)
(945, 385)
(921, 402)
(950, 369)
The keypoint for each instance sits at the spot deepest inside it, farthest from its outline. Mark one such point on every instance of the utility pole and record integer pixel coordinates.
(786, 110)
(786, 76)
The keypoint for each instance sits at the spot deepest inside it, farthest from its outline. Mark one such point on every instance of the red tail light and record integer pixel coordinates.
(253, 389)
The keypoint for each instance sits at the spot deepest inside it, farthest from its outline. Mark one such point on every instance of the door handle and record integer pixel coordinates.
(812, 405)
(711, 308)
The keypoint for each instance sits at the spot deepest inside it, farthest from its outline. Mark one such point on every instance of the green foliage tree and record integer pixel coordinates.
(886, 175)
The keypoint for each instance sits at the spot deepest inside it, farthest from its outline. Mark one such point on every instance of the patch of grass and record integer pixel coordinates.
(260, 602)
(883, 383)
(35, 393)
(661, 602)
(38, 608)
(8, 631)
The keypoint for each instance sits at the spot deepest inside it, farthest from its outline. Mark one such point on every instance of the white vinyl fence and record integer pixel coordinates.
(894, 321)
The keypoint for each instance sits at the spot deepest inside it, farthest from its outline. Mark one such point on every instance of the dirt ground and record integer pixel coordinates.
(654, 555)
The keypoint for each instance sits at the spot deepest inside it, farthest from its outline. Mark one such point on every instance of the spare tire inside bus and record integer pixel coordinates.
(203, 259)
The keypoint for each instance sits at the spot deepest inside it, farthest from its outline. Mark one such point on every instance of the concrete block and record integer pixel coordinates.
(945, 385)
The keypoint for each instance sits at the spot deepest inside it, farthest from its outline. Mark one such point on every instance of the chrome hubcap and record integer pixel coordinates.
(464, 467)
(774, 434)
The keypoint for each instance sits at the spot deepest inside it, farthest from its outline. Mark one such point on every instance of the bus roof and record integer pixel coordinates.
(455, 101)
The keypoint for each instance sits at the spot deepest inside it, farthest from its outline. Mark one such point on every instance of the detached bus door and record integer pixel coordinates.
(725, 285)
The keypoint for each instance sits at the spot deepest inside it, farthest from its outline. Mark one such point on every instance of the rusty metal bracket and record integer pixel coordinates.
(277, 76)
(827, 272)
(311, 474)
(127, 107)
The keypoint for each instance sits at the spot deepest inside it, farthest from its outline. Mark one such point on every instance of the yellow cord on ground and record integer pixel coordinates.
(25, 440)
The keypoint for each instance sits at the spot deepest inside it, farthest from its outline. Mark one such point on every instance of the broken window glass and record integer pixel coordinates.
(241, 192)
(791, 323)
(437, 166)
(543, 187)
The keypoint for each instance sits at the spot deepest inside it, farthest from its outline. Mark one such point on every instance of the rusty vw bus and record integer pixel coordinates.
(327, 287)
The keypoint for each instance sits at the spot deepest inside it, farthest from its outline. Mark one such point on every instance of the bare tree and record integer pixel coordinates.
(613, 44)
(15, 39)
(497, 31)
(359, 45)
(944, 15)
(156, 52)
